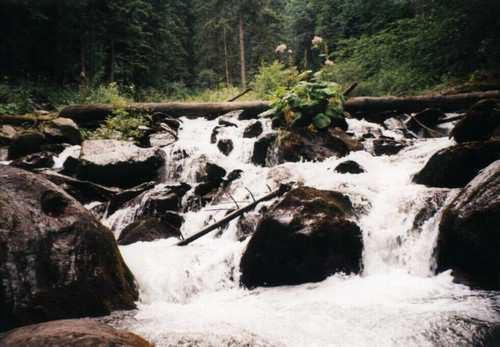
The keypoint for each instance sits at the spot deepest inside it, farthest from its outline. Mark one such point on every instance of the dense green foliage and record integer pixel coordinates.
(55, 52)
(309, 103)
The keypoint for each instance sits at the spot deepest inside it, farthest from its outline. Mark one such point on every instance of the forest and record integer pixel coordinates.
(56, 52)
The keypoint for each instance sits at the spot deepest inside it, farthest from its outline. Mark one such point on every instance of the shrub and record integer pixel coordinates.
(121, 125)
(273, 77)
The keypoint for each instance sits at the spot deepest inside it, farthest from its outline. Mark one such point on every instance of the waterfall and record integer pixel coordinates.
(191, 295)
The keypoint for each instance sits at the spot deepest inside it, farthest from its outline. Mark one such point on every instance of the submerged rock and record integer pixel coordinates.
(71, 333)
(57, 260)
(152, 228)
(469, 233)
(300, 144)
(118, 163)
(455, 166)
(480, 122)
(262, 148)
(253, 130)
(387, 146)
(305, 237)
(429, 117)
(349, 166)
(35, 161)
(225, 146)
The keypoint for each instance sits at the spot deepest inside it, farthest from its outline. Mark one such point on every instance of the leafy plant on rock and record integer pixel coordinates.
(310, 103)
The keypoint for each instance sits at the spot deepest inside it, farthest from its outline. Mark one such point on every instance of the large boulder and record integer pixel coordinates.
(63, 130)
(455, 166)
(71, 333)
(7, 134)
(253, 130)
(118, 163)
(300, 144)
(25, 143)
(479, 123)
(152, 228)
(56, 260)
(469, 232)
(305, 237)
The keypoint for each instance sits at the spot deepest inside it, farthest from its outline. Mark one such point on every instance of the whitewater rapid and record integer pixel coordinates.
(190, 296)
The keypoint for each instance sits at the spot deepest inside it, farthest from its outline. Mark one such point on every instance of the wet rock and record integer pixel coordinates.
(26, 143)
(7, 134)
(455, 166)
(429, 117)
(246, 225)
(253, 130)
(83, 191)
(469, 234)
(305, 237)
(261, 149)
(232, 176)
(152, 228)
(431, 205)
(57, 260)
(387, 147)
(35, 161)
(71, 333)
(479, 123)
(225, 123)
(225, 146)
(119, 199)
(349, 166)
(340, 122)
(162, 139)
(300, 144)
(118, 163)
(214, 173)
(63, 130)
(160, 200)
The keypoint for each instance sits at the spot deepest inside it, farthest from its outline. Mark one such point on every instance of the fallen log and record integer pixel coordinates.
(282, 190)
(445, 103)
(27, 118)
(87, 114)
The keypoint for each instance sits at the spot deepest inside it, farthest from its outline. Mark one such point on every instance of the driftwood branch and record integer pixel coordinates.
(240, 95)
(84, 114)
(282, 190)
(350, 89)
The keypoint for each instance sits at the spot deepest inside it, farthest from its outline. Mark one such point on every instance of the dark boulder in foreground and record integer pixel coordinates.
(300, 144)
(469, 237)
(152, 228)
(305, 237)
(349, 166)
(116, 163)
(455, 166)
(479, 123)
(71, 333)
(56, 261)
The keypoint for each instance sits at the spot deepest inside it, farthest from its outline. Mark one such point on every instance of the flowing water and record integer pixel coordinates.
(190, 296)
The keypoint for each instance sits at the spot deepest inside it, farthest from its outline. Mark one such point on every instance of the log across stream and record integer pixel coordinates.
(83, 114)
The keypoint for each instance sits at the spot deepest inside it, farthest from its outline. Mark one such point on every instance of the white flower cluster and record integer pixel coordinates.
(317, 40)
(281, 48)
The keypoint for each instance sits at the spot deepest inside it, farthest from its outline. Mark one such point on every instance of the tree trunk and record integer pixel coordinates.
(83, 67)
(242, 53)
(226, 62)
(110, 64)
